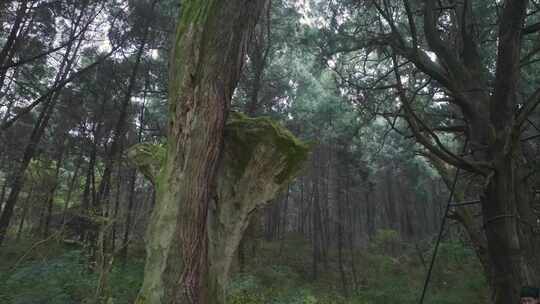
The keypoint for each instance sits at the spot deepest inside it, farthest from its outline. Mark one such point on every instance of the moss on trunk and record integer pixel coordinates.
(260, 158)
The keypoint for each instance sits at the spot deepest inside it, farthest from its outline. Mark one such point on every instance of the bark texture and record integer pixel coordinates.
(493, 126)
(260, 157)
(211, 41)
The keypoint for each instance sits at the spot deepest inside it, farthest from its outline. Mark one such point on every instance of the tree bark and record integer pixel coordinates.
(71, 186)
(52, 191)
(206, 62)
(260, 157)
(493, 128)
(129, 216)
(7, 51)
(25, 212)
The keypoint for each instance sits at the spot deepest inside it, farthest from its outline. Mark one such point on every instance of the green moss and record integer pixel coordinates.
(244, 134)
(149, 158)
(194, 12)
(140, 300)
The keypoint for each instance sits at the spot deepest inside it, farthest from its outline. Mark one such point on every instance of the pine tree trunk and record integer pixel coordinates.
(120, 127)
(7, 51)
(41, 124)
(25, 212)
(52, 191)
(71, 186)
(316, 229)
(129, 216)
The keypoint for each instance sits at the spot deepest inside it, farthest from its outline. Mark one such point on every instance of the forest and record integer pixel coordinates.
(269, 151)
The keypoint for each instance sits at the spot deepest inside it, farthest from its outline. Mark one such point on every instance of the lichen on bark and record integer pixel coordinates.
(149, 158)
(245, 134)
(260, 158)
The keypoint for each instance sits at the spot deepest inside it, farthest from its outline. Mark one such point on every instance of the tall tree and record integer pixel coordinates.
(206, 62)
(445, 51)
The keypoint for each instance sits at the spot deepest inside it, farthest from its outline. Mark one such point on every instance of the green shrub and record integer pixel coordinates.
(278, 274)
(60, 280)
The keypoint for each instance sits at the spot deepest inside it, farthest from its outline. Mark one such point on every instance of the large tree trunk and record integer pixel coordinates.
(209, 50)
(494, 121)
(499, 203)
(260, 157)
(501, 226)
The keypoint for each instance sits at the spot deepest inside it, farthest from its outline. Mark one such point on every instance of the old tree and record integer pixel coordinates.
(445, 51)
(456, 80)
(462, 70)
(216, 169)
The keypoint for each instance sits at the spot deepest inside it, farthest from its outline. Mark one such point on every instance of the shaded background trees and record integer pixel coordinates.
(81, 82)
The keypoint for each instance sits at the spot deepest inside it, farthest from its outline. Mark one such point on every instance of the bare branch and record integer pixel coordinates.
(418, 127)
(451, 62)
(4, 126)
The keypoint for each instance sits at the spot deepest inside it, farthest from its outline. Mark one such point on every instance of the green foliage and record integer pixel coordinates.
(385, 241)
(63, 278)
(277, 286)
(245, 134)
(149, 158)
(277, 274)
(382, 279)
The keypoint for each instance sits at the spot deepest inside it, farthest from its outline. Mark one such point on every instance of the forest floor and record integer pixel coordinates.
(280, 272)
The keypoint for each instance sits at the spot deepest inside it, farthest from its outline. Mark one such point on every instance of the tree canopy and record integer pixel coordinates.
(226, 145)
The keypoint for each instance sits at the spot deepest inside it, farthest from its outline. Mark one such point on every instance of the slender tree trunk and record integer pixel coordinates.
(117, 196)
(351, 233)
(131, 199)
(18, 178)
(37, 132)
(89, 173)
(316, 229)
(340, 237)
(129, 215)
(25, 212)
(3, 194)
(284, 222)
(52, 192)
(120, 128)
(71, 187)
(301, 214)
(325, 205)
(7, 50)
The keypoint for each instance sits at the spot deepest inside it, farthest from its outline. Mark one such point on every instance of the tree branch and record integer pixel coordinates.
(451, 62)
(418, 126)
(4, 126)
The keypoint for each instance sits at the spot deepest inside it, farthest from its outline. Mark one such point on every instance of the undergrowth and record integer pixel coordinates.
(280, 272)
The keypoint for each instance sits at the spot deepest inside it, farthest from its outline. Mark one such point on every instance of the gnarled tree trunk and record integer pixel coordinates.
(186, 230)
(259, 159)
